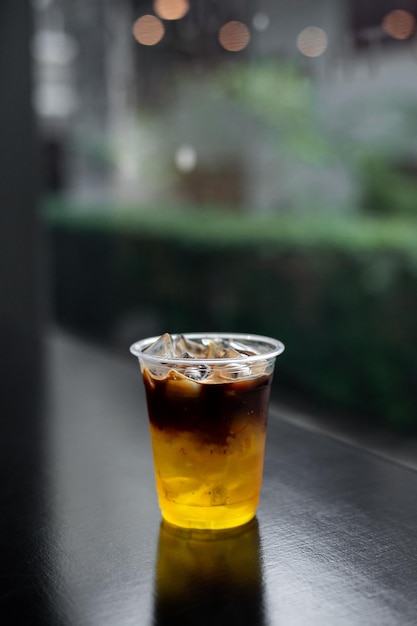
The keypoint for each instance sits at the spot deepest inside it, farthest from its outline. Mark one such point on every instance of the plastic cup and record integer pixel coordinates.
(208, 419)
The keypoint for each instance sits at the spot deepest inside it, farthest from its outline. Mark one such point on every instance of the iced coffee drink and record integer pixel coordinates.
(207, 398)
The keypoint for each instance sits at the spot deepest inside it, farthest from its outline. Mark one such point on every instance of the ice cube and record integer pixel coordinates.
(186, 348)
(228, 373)
(159, 371)
(161, 347)
(197, 372)
(259, 368)
(230, 353)
(235, 372)
(177, 384)
(179, 346)
(211, 348)
(218, 347)
(242, 348)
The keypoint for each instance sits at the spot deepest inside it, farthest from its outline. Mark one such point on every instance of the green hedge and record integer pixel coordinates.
(341, 293)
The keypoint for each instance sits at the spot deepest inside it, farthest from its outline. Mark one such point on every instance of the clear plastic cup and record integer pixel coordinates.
(208, 420)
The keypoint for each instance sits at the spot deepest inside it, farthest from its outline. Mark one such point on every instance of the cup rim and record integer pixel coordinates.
(276, 348)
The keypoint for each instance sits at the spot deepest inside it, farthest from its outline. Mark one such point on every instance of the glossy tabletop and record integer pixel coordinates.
(334, 542)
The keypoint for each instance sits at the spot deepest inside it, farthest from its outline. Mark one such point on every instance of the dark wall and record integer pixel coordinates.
(20, 310)
(22, 429)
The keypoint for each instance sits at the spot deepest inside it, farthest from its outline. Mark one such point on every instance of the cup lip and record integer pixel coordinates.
(276, 348)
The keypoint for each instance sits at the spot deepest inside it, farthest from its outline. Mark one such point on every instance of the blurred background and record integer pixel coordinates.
(245, 165)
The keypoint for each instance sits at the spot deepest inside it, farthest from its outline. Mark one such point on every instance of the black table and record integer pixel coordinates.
(334, 543)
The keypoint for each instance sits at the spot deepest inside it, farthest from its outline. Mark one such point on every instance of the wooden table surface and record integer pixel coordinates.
(334, 543)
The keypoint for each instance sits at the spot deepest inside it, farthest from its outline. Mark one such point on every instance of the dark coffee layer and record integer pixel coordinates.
(211, 411)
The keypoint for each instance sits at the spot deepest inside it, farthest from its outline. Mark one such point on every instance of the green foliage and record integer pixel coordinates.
(282, 98)
(271, 90)
(366, 136)
(386, 190)
(198, 226)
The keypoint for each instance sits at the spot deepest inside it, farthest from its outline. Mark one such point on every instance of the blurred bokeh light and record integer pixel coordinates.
(312, 41)
(185, 158)
(171, 9)
(399, 24)
(260, 21)
(148, 30)
(234, 36)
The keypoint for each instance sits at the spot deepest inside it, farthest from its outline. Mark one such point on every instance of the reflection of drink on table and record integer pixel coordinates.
(208, 577)
(208, 444)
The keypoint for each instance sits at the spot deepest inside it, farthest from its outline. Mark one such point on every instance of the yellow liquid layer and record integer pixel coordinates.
(207, 486)
(213, 518)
